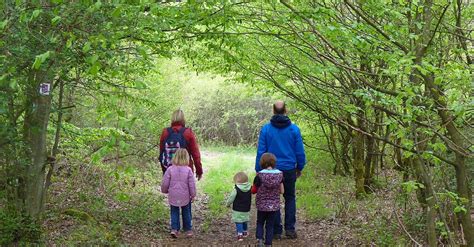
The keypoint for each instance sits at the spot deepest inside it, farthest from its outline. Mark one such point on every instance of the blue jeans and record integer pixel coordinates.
(266, 219)
(289, 183)
(241, 227)
(187, 217)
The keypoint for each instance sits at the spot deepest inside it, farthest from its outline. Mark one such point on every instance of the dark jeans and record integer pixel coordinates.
(290, 203)
(241, 227)
(266, 219)
(187, 218)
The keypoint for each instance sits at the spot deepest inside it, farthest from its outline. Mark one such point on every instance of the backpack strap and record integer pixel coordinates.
(170, 130)
(182, 130)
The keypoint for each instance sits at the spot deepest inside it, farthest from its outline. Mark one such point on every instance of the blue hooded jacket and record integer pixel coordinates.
(283, 139)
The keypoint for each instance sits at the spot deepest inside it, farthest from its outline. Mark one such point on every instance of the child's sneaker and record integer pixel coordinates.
(174, 234)
(189, 234)
(245, 234)
(240, 237)
(260, 243)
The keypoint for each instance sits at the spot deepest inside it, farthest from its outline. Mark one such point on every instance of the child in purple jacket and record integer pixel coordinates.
(178, 182)
(268, 184)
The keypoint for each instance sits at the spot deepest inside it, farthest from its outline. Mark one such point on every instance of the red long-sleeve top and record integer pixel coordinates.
(191, 145)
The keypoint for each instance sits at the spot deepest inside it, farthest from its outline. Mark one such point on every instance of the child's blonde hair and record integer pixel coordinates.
(240, 178)
(181, 157)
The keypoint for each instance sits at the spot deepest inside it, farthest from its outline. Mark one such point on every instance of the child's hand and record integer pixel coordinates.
(193, 199)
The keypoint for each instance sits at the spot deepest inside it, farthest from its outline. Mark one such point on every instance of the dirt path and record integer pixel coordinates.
(221, 231)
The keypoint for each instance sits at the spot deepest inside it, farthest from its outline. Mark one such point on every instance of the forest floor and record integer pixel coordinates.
(115, 205)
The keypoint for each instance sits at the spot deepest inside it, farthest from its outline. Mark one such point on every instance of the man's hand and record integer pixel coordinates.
(198, 176)
(298, 173)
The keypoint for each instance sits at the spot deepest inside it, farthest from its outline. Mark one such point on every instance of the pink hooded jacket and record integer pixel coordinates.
(178, 182)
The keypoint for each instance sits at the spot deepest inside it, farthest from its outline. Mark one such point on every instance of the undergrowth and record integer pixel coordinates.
(17, 228)
(102, 204)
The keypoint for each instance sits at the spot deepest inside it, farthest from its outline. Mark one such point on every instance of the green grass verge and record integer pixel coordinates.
(218, 182)
(317, 187)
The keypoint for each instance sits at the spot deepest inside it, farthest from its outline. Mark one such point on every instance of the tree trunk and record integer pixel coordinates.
(427, 201)
(35, 130)
(345, 140)
(57, 136)
(358, 153)
(462, 181)
(332, 143)
(367, 165)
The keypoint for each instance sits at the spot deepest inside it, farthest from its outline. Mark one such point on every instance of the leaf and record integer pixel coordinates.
(55, 20)
(130, 171)
(459, 209)
(140, 85)
(40, 59)
(98, 4)
(123, 145)
(122, 197)
(87, 47)
(35, 14)
(3, 24)
(94, 69)
(13, 84)
(92, 59)
(69, 43)
(117, 12)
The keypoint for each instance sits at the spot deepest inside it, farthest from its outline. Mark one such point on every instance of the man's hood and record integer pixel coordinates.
(280, 121)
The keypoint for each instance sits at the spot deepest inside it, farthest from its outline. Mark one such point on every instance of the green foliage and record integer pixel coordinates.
(349, 67)
(17, 228)
(411, 186)
(219, 110)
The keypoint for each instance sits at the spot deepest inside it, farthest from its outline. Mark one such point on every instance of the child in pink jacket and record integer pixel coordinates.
(178, 182)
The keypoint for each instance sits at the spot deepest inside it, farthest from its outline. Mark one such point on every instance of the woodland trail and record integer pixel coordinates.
(219, 231)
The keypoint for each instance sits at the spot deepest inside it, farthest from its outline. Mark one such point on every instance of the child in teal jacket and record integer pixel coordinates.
(241, 200)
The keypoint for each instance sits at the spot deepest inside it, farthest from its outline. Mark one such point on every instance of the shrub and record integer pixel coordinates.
(15, 228)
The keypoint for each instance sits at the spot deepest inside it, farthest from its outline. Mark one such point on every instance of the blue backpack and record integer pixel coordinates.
(174, 141)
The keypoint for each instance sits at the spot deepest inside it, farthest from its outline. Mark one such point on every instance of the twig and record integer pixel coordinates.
(404, 229)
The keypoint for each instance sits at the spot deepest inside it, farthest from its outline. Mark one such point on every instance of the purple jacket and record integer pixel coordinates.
(178, 182)
(268, 193)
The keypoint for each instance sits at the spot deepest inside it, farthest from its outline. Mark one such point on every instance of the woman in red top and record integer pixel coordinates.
(178, 122)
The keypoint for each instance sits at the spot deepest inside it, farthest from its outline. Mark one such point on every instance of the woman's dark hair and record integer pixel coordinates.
(268, 160)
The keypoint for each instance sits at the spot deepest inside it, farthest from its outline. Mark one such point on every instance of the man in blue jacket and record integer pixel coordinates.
(283, 139)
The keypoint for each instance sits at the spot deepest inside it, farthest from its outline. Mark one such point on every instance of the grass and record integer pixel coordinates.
(316, 187)
(218, 182)
(312, 188)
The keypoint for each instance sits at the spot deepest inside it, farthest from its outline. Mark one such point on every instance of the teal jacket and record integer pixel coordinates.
(239, 217)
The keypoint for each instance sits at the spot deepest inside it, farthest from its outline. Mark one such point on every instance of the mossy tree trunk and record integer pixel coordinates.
(37, 113)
